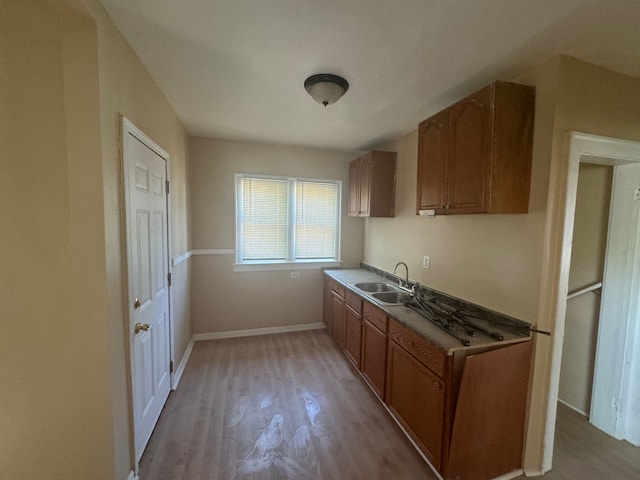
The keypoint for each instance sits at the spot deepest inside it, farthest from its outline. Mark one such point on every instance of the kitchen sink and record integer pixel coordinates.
(395, 297)
(376, 287)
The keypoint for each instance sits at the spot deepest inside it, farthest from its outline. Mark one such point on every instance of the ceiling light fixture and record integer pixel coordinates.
(326, 88)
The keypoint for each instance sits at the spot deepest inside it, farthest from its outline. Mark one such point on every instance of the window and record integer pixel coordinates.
(286, 220)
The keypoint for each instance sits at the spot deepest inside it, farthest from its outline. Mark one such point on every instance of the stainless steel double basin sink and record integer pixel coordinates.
(384, 292)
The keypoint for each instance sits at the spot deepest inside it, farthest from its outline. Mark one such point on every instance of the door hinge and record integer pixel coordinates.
(167, 186)
(171, 366)
(169, 279)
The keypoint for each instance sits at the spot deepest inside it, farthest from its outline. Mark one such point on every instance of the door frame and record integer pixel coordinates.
(580, 146)
(129, 128)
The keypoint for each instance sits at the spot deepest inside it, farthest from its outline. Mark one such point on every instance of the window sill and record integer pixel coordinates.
(266, 267)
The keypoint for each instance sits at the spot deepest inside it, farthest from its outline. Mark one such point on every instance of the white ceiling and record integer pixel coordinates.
(235, 68)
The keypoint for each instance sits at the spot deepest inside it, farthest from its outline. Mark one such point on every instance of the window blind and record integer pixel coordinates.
(265, 219)
(316, 220)
(286, 220)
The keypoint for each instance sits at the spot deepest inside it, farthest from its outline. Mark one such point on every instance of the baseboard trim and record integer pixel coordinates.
(510, 475)
(132, 476)
(533, 473)
(177, 375)
(257, 331)
(585, 414)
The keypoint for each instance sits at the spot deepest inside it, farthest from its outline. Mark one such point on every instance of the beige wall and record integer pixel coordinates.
(509, 262)
(67, 74)
(492, 260)
(587, 265)
(126, 88)
(593, 100)
(223, 300)
(55, 410)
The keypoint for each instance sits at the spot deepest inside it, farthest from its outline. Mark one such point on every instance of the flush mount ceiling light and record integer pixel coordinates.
(326, 88)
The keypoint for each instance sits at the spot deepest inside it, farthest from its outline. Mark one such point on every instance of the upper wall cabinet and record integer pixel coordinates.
(372, 185)
(475, 156)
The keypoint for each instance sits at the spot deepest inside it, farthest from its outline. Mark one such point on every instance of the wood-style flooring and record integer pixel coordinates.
(291, 406)
(582, 452)
(273, 407)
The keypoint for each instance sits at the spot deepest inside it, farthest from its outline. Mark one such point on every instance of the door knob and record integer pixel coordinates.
(141, 327)
(136, 303)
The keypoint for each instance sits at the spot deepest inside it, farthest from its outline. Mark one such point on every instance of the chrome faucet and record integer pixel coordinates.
(406, 280)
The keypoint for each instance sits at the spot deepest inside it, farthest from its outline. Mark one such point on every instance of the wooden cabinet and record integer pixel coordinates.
(372, 185)
(334, 310)
(475, 156)
(353, 328)
(487, 436)
(433, 152)
(338, 314)
(416, 396)
(327, 306)
(416, 389)
(353, 336)
(465, 411)
(374, 347)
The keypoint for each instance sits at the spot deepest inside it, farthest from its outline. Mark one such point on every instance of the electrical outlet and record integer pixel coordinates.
(636, 194)
(295, 274)
(426, 261)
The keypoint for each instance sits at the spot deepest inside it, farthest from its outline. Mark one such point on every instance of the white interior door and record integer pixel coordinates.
(147, 241)
(615, 395)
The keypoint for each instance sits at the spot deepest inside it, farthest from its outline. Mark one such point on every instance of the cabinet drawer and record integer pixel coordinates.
(375, 316)
(337, 287)
(354, 301)
(422, 350)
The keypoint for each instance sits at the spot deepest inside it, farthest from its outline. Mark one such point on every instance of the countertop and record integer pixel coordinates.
(416, 322)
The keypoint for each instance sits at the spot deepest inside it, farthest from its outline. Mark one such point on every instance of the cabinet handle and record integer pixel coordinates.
(436, 384)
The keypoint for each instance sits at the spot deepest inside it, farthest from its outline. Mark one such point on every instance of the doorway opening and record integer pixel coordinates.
(615, 395)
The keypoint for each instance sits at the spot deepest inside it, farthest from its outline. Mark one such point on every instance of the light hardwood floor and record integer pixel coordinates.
(290, 406)
(582, 452)
(286, 406)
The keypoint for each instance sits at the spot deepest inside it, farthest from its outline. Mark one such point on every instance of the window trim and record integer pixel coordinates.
(290, 263)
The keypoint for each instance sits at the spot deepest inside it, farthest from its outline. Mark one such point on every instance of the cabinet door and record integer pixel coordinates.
(365, 185)
(433, 138)
(416, 396)
(469, 150)
(353, 336)
(354, 188)
(327, 307)
(374, 357)
(338, 318)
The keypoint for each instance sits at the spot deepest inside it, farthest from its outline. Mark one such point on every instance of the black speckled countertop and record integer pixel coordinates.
(513, 330)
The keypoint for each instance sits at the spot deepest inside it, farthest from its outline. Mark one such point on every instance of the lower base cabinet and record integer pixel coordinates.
(466, 411)
(327, 314)
(374, 357)
(338, 318)
(416, 396)
(353, 336)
